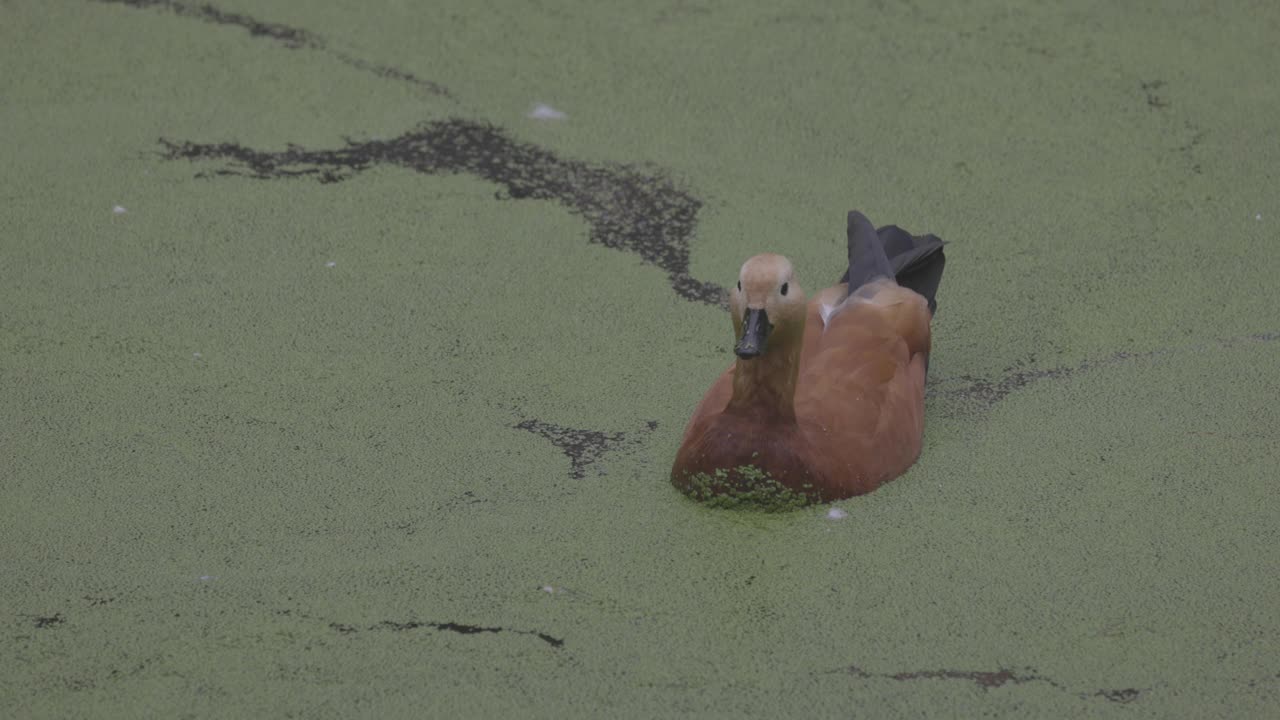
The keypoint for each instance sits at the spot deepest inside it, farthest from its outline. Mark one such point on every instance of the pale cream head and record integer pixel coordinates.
(766, 301)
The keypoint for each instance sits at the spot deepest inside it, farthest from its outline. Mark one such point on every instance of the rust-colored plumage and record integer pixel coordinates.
(826, 398)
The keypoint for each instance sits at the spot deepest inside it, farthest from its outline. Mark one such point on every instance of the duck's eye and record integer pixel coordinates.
(739, 286)
(784, 288)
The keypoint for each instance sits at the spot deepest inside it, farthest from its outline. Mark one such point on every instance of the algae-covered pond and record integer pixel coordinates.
(338, 379)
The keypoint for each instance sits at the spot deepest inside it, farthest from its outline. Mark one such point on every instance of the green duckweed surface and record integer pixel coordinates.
(333, 384)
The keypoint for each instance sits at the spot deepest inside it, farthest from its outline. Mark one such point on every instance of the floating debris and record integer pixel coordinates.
(546, 112)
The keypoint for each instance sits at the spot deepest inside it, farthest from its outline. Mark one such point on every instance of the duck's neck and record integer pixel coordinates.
(765, 386)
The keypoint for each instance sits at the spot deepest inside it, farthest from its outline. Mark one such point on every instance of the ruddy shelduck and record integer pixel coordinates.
(826, 398)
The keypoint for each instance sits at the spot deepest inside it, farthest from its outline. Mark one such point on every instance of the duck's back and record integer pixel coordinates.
(860, 394)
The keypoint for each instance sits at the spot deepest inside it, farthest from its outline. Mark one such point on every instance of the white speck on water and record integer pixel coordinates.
(196, 356)
(119, 210)
(1258, 216)
(836, 514)
(207, 578)
(546, 112)
(331, 264)
(548, 589)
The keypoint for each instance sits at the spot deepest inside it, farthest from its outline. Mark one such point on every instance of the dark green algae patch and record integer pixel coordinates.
(745, 487)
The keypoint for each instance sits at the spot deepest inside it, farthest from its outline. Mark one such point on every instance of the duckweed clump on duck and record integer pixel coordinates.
(745, 487)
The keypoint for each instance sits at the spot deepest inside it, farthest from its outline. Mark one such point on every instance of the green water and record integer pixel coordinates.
(238, 481)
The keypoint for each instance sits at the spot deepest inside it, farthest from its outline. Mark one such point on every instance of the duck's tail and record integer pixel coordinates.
(915, 261)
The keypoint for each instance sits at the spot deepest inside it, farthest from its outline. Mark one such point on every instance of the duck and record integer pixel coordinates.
(825, 399)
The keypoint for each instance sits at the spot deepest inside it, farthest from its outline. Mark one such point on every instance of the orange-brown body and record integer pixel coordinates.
(833, 408)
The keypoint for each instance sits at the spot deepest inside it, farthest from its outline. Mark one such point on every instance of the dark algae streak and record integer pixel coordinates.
(626, 209)
(582, 447)
(990, 680)
(452, 627)
(289, 37)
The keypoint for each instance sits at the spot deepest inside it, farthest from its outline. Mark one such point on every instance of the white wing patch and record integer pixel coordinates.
(881, 291)
(826, 311)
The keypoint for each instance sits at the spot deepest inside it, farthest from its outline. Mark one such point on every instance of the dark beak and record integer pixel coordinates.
(755, 332)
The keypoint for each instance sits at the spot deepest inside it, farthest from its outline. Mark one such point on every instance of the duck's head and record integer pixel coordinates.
(766, 303)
